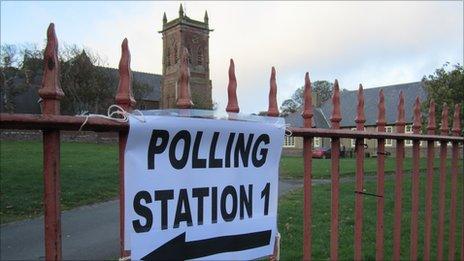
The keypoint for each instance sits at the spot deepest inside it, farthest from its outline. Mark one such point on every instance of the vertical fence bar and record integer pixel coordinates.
(400, 123)
(335, 173)
(307, 157)
(359, 148)
(51, 93)
(232, 103)
(184, 100)
(125, 99)
(273, 111)
(454, 184)
(441, 193)
(381, 122)
(429, 183)
(415, 182)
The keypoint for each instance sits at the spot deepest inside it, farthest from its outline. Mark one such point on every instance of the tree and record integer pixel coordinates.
(16, 74)
(89, 87)
(323, 90)
(445, 85)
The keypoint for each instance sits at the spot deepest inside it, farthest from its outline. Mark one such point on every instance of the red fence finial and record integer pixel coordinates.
(457, 122)
(431, 126)
(273, 110)
(444, 128)
(308, 103)
(360, 117)
(232, 104)
(184, 99)
(417, 121)
(381, 121)
(400, 121)
(124, 96)
(336, 115)
(51, 91)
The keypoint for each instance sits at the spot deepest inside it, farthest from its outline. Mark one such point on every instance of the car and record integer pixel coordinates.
(322, 153)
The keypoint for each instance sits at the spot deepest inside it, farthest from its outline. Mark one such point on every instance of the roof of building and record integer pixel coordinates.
(349, 99)
(318, 121)
(150, 79)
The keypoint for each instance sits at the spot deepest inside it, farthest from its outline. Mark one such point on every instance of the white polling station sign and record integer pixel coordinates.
(201, 188)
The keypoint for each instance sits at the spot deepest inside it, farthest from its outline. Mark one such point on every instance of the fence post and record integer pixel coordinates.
(335, 173)
(273, 111)
(51, 93)
(360, 119)
(454, 183)
(429, 187)
(444, 129)
(125, 99)
(232, 103)
(381, 122)
(307, 157)
(400, 123)
(416, 126)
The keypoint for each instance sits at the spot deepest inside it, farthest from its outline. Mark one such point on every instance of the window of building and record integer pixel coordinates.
(389, 142)
(353, 141)
(200, 56)
(408, 129)
(289, 142)
(317, 142)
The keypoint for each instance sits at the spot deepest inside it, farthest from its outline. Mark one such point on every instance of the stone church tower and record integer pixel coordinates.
(193, 35)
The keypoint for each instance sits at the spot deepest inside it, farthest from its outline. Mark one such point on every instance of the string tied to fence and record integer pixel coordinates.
(115, 113)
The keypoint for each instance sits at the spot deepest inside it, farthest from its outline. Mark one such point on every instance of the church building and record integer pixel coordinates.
(179, 33)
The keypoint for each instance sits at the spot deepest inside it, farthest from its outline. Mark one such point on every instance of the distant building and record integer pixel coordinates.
(348, 100)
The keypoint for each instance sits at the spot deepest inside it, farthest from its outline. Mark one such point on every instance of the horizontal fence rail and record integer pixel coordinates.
(51, 123)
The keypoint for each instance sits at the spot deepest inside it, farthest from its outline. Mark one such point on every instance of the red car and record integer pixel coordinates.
(321, 153)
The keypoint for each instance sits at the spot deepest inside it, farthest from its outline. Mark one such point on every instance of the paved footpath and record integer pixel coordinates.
(89, 232)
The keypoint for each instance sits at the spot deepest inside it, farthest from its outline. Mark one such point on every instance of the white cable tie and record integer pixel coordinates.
(118, 115)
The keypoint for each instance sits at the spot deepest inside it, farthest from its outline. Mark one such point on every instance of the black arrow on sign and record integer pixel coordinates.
(178, 249)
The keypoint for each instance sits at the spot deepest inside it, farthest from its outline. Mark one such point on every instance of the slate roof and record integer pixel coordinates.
(151, 79)
(349, 101)
(318, 120)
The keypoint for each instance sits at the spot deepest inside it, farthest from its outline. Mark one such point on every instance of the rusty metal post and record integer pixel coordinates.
(400, 123)
(51, 93)
(444, 129)
(273, 109)
(381, 122)
(429, 187)
(125, 99)
(232, 103)
(416, 126)
(454, 184)
(307, 157)
(184, 100)
(335, 173)
(358, 220)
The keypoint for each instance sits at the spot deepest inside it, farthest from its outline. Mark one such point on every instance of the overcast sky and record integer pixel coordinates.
(373, 43)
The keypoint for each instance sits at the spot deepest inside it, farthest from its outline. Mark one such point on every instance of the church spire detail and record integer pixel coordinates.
(206, 19)
(181, 11)
(165, 19)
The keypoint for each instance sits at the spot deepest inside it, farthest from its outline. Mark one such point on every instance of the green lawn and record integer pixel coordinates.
(292, 167)
(291, 221)
(89, 174)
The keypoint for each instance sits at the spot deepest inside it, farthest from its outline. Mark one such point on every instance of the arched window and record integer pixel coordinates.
(200, 56)
(168, 57)
(176, 55)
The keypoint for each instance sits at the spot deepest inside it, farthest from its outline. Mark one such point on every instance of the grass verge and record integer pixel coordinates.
(290, 221)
